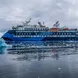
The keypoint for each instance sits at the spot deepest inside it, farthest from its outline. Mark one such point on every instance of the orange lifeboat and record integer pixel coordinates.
(65, 29)
(54, 29)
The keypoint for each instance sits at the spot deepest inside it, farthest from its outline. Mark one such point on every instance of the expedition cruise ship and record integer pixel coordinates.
(40, 32)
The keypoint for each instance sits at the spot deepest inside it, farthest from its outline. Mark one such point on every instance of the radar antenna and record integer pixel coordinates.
(43, 23)
(39, 23)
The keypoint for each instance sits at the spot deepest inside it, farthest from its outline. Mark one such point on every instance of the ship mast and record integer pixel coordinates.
(56, 24)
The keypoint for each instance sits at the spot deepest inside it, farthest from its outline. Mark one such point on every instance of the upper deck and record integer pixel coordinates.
(41, 28)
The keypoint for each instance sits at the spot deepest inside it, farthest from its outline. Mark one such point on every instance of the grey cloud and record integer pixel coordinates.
(13, 12)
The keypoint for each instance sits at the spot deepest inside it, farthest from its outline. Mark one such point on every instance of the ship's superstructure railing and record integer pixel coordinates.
(29, 28)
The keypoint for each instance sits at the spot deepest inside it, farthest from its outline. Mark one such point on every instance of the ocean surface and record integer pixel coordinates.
(34, 61)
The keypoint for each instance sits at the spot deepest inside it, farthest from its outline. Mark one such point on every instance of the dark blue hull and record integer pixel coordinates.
(10, 38)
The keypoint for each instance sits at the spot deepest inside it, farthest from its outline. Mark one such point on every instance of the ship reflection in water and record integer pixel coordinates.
(49, 60)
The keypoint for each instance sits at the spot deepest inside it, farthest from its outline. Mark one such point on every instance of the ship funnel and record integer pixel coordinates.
(56, 24)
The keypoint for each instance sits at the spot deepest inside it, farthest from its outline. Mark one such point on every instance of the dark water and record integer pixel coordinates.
(38, 62)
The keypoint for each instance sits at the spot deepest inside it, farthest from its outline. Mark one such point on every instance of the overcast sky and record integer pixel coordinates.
(13, 12)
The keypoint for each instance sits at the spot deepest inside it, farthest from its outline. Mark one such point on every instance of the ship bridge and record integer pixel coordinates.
(28, 27)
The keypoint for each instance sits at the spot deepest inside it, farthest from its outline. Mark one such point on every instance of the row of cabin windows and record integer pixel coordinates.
(52, 33)
(65, 33)
(44, 36)
(37, 33)
(31, 31)
(36, 29)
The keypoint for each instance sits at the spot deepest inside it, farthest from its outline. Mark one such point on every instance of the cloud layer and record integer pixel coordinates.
(13, 12)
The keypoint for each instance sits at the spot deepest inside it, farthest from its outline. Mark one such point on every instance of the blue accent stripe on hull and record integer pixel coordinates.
(9, 36)
(28, 39)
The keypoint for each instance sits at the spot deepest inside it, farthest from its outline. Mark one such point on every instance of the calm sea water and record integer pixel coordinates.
(38, 62)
